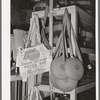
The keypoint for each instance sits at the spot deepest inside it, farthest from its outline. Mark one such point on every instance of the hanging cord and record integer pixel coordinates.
(43, 36)
(66, 49)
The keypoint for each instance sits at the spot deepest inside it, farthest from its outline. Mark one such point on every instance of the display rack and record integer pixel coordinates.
(76, 14)
(73, 94)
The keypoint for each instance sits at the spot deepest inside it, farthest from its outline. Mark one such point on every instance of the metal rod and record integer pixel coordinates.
(50, 36)
(51, 23)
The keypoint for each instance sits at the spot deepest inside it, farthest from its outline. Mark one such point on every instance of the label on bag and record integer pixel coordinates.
(34, 60)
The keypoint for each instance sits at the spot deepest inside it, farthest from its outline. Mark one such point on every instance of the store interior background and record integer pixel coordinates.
(20, 19)
(21, 9)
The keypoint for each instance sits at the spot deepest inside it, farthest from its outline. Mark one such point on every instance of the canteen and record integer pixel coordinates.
(66, 85)
(58, 68)
(74, 68)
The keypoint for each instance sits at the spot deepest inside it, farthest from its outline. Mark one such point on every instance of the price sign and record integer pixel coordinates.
(34, 60)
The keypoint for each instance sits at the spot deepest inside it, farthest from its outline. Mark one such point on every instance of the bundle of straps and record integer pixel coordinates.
(61, 46)
(66, 67)
(37, 35)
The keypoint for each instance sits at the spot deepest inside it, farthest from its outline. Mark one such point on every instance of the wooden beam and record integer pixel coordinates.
(85, 87)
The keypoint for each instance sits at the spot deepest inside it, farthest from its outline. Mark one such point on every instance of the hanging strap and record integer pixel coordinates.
(69, 25)
(66, 48)
(61, 47)
(34, 32)
(62, 42)
(58, 45)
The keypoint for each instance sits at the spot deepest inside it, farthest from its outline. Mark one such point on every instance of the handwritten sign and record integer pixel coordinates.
(34, 60)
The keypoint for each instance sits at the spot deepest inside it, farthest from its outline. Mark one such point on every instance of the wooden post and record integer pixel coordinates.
(73, 95)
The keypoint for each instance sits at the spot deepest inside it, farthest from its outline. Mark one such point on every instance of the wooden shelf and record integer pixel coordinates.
(79, 89)
(87, 50)
(56, 11)
(84, 50)
(84, 17)
(15, 78)
(85, 87)
(46, 88)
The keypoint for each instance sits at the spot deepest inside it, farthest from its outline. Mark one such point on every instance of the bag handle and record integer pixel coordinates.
(62, 38)
(69, 25)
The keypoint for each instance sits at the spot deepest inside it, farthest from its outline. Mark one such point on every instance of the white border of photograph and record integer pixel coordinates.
(5, 36)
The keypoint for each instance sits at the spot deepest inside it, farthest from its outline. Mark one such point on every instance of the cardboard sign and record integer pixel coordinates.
(34, 60)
